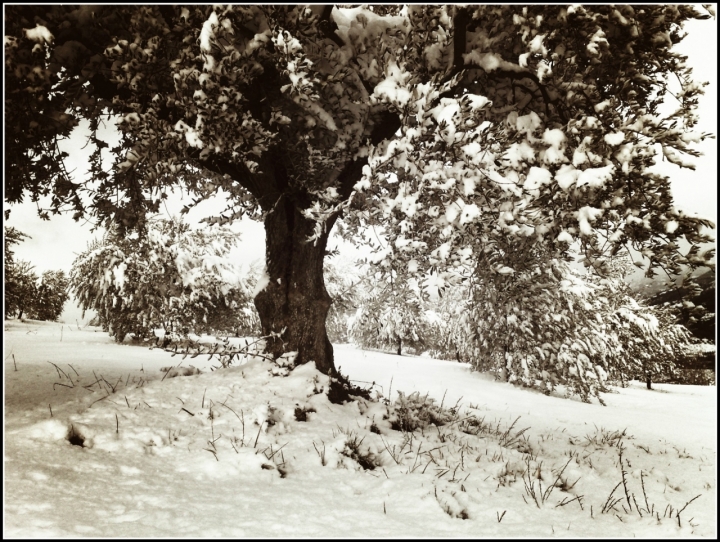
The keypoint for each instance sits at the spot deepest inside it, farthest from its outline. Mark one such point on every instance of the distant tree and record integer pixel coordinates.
(170, 278)
(392, 314)
(346, 287)
(51, 295)
(642, 341)
(20, 289)
(19, 278)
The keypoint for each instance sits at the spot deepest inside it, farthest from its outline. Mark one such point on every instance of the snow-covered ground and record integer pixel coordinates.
(225, 453)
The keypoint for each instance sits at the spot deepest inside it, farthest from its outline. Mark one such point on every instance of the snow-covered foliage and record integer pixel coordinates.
(53, 291)
(547, 325)
(171, 278)
(18, 276)
(20, 286)
(345, 286)
(392, 315)
(499, 131)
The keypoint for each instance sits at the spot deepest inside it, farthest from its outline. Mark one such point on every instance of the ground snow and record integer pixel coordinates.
(221, 454)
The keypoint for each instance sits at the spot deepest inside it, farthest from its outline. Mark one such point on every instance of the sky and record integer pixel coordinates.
(54, 244)
(201, 455)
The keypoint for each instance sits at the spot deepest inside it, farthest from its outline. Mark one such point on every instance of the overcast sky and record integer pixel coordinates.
(56, 243)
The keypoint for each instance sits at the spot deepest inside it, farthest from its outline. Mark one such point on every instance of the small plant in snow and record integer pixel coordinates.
(363, 456)
(411, 412)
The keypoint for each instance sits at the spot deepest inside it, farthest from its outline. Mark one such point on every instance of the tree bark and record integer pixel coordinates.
(294, 304)
(399, 348)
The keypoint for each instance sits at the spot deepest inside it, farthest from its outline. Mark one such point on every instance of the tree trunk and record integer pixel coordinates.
(648, 381)
(399, 349)
(294, 304)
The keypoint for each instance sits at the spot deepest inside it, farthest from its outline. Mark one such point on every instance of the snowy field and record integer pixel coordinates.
(98, 444)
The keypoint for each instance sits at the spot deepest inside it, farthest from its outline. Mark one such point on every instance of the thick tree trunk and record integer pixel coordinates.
(295, 303)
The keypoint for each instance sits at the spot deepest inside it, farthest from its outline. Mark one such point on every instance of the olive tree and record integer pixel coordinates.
(460, 127)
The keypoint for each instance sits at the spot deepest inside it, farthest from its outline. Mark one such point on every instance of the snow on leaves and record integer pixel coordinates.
(173, 278)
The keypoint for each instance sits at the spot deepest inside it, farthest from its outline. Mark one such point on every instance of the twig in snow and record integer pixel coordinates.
(212, 452)
(60, 384)
(50, 407)
(566, 501)
(59, 370)
(642, 483)
(323, 461)
(15, 364)
(609, 504)
(231, 410)
(623, 474)
(677, 514)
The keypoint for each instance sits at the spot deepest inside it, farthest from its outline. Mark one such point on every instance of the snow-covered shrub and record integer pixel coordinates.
(171, 278)
(365, 456)
(415, 411)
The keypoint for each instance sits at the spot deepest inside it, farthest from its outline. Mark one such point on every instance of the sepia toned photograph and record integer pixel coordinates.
(360, 271)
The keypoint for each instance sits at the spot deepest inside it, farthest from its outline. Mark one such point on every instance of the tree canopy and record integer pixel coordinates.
(478, 135)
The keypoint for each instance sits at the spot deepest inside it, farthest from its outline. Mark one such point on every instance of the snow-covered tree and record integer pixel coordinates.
(459, 128)
(345, 286)
(51, 295)
(548, 324)
(20, 288)
(534, 327)
(20, 281)
(391, 314)
(171, 278)
(642, 341)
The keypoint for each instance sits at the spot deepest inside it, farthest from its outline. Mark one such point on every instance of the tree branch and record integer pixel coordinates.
(388, 124)
(460, 22)
(328, 26)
